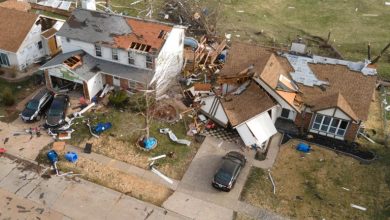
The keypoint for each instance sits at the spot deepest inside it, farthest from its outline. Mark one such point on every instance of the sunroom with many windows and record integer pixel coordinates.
(329, 126)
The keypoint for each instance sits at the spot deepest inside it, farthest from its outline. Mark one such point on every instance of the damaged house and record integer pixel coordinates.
(313, 94)
(101, 48)
(26, 38)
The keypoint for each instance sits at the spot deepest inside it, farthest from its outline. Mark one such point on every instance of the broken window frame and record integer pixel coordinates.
(114, 53)
(98, 50)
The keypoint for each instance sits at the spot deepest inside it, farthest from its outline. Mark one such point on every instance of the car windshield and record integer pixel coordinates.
(56, 108)
(32, 105)
(223, 177)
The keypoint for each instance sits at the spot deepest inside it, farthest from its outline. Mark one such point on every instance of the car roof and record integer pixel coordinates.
(40, 94)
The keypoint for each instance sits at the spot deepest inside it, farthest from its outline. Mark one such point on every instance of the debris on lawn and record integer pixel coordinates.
(101, 127)
(147, 144)
(303, 147)
(71, 157)
(272, 181)
(173, 137)
(157, 157)
(358, 207)
(53, 158)
(2, 150)
(58, 146)
(88, 148)
(346, 189)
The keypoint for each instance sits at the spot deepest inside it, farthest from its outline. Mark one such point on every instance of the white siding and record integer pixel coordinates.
(72, 45)
(95, 84)
(169, 62)
(28, 51)
(216, 112)
(329, 112)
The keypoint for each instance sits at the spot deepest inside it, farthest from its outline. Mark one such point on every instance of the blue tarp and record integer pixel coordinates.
(100, 127)
(303, 147)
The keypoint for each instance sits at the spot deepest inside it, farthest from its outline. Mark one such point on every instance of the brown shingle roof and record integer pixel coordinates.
(14, 27)
(355, 88)
(333, 101)
(242, 55)
(251, 102)
(17, 5)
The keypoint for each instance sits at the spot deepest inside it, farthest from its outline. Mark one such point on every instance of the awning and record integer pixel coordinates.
(257, 130)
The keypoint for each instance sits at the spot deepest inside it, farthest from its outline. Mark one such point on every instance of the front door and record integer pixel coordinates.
(116, 81)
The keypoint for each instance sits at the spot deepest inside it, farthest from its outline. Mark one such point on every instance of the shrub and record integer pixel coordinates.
(119, 99)
(137, 102)
(8, 97)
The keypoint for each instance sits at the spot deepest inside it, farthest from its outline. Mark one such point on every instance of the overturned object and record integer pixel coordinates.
(173, 137)
(303, 147)
(71, 157)
(100, 127)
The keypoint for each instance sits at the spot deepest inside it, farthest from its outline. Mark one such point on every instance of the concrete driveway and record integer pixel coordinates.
(196, 183)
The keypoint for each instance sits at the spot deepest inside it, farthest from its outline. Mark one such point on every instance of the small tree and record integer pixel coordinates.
(119, 99)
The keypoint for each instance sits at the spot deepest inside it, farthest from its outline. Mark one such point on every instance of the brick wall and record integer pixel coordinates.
(350, 135)
(109, 80)
(303, 120)
(124, 83)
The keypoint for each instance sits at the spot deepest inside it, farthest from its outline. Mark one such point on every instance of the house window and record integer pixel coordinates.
(98, 50)
(330, 125)
(114, 52)
(40, 45)
(4, 59)
(131, 57)
(285, 113)
(149, 61)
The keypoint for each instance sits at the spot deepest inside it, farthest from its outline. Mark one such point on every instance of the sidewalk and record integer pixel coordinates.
(273, 150)
(62, 198)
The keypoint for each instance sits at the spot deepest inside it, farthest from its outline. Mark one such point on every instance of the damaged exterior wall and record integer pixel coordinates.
(169, 62)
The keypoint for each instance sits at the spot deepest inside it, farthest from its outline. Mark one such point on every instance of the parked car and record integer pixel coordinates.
(37, 106)
(57, 111)
(229, 170)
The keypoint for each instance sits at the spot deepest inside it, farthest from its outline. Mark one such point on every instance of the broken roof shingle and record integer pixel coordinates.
(14, 27)
(113, 30)
(251, 102)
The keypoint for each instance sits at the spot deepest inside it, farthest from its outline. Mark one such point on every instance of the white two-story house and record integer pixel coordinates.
(101, 48)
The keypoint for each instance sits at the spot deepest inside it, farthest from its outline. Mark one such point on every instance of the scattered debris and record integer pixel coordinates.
(71, 157)
(2, 150)
(366, 137)
(53, 158)
(58, 146)
(358, 207)
(157, 157)
(303, 147)
(154, 170)
(173, 137)
(272, 181)
(88, 148)
(346, 189)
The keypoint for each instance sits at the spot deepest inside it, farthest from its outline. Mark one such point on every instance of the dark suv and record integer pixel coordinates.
(227, 174)
(37, 106)
(57, 111)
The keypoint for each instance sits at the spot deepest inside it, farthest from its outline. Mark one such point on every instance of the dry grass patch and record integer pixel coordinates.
(310, 186)
(112, 178)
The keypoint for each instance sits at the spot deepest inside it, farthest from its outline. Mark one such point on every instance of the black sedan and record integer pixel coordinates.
(57, 111)
(37, 106)
(227, 174)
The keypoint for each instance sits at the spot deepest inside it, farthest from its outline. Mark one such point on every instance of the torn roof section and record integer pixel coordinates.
(90, 66)
(349, 85)
(251, 102)
(115, 31)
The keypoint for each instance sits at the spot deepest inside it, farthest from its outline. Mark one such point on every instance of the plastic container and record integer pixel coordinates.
(52, 156)
(71, 157)
(303, 147)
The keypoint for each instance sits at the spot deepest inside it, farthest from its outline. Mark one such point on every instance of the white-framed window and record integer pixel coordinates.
(98, 50)
(330, 125)
(149, 61)
(114, 52)
(131, 57)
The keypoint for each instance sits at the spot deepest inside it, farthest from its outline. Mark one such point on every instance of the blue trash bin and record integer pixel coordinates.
(52, 156)
(71, 157)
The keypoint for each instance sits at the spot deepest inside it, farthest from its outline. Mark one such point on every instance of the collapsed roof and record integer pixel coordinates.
(115, 30)
(319, 83)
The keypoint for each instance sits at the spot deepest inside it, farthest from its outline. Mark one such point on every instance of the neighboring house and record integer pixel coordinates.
(130, 53)
(315, 94)
(24, 38)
